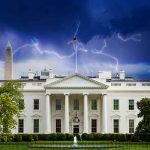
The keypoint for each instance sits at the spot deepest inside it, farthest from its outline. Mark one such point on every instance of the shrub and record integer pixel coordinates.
(69, 137)
(27, 137)
(17, 137)
(35, 137)
(61, 137)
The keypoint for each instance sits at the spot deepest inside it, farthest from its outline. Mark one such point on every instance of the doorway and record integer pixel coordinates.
(75, 129)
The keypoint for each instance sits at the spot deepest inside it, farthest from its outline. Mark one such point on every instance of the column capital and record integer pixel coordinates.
(85, 93)
(66, 93)
(47, 94)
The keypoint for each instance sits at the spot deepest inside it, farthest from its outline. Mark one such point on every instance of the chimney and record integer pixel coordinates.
(8, 59)
(122, 74)
(30, 74)
(104, 74)
(51, 74)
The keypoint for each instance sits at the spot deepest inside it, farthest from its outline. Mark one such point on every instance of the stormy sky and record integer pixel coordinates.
(112, 35)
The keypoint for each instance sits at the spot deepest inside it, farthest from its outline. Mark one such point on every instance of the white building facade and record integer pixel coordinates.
(80, 104)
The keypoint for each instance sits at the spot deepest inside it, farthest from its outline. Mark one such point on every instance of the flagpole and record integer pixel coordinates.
(76, 71)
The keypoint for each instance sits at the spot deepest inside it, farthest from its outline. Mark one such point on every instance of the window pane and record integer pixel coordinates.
(36, 125)
(116, 126)
(94, 125)
(20, 125)
(76, 104)
(131, 104)
(58, 104)
(58, 125)
(36, 104)
(116, 104)
(131, 126)
(94, 104)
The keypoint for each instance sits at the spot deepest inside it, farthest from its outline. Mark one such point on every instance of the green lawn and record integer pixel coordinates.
(124, 146)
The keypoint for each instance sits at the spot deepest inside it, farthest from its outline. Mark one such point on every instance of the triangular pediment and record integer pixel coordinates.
(76, 81)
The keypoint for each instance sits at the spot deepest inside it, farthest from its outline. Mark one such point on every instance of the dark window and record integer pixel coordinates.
(36, 104)
(36, 125)
(116, 126)
(131, 126)
(58, 125)
(76, 104)
(94, 104)
(58, 104)
(20, 125)
(116, 104)
(76, 129)
(131, 104)
(94, 125)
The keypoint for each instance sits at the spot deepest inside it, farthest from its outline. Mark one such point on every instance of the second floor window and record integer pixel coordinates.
(58, 104)
(94, 104)
(131, 104)
(76, 104)
(36, 104)
(116, 104)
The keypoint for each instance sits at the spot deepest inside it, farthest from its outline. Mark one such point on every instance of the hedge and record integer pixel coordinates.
(70, 137)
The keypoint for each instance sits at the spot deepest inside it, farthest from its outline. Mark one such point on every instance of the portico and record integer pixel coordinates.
(75, 108)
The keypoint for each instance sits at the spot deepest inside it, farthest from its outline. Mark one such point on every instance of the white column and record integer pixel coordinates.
(47, 114)
(104, 113)
(85, 123)
(66, 125)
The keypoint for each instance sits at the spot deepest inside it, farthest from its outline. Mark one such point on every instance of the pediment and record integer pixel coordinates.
(76, 81)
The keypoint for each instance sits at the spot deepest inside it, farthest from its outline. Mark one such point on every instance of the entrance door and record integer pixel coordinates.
(75, 129)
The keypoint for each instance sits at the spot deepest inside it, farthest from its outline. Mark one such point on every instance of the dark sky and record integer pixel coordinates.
(123, 24)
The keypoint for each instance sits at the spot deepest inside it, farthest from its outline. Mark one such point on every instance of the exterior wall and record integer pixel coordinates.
(28, 114)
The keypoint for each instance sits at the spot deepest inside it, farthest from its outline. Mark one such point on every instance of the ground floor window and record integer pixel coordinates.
(75, 129)
(36, 125)
(58, 125)
(131, 126)
(116, 125)
(20, 125)
(94, 125)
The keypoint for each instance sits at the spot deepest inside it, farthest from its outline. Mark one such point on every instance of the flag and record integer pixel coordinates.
(73, 41)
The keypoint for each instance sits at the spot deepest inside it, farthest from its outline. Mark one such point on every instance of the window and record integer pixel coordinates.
(116, 104)
(131, 126)
(131, 104)
(115, 84)
(94, 104)
(58, 125)
(76, 104)
(94, 125)
(20, 125)
(36, 104)
(58, 104)
(116, 126)
(36, 125)
(131, 84)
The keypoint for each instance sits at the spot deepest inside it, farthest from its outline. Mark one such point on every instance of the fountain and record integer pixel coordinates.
(75, 141)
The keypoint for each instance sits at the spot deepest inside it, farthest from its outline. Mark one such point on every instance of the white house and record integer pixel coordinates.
(80, 104)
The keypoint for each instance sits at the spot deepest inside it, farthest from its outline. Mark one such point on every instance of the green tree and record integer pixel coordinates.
(11, 103)
(144, 108)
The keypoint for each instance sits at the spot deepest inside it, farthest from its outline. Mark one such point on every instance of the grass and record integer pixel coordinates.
(26, 146)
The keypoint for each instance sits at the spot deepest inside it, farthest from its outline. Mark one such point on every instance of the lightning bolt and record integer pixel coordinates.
(101, 52)
(135, 37)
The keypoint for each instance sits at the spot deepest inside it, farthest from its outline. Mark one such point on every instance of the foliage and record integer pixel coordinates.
(11, 103)
(144, 125)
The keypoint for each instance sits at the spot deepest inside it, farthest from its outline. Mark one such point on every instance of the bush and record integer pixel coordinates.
(61, 137)
(35, 137)
(69, 137)
(17, 137)
(27, 137)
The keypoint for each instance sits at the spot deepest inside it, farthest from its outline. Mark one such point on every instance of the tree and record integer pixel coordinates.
(144, 108)
(11, 103)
